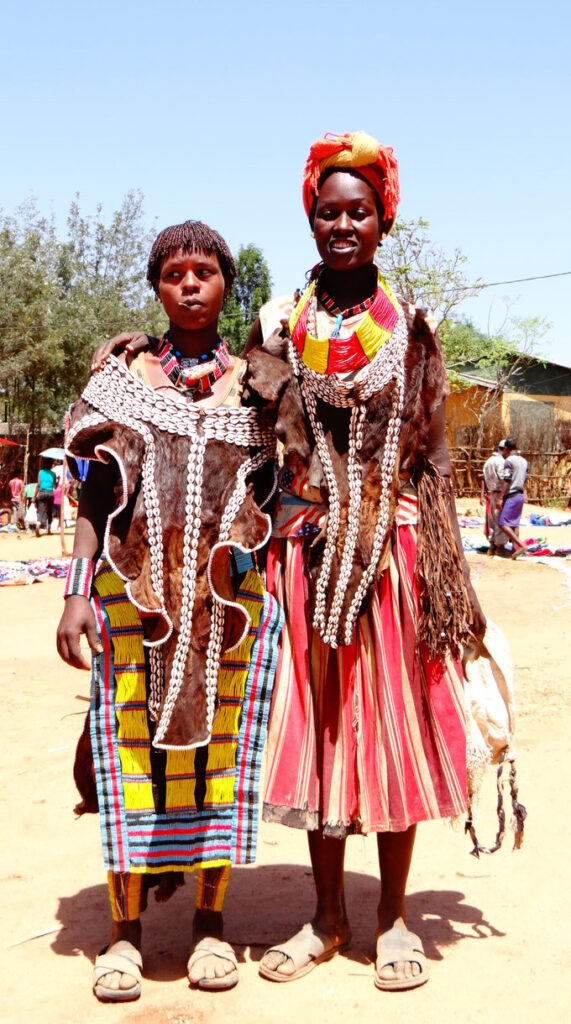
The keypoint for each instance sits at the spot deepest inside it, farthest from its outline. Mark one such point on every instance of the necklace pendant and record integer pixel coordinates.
(336, 332)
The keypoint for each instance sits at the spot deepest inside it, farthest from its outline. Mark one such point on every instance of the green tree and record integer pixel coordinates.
(30, 354)
(500, 355)
(422, 274)
(252, 287)
(101, 272)
(60, 298)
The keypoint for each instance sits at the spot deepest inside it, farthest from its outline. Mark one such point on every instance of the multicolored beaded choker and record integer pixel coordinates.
(342, 355)
(190, 374)
(330, 305)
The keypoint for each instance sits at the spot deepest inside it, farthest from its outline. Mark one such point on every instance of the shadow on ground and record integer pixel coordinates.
(265, 905)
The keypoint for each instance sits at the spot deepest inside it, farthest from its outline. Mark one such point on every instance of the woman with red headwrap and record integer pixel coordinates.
(367, 727)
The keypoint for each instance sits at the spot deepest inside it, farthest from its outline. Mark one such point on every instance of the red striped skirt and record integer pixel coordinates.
(369, 737)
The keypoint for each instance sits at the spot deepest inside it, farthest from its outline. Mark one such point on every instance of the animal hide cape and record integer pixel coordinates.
(186, 500)
(272, 386)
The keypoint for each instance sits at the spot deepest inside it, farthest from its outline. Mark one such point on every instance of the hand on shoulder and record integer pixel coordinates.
(128, 342)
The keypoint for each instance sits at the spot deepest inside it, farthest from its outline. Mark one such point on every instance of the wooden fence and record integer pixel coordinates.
(548, 481)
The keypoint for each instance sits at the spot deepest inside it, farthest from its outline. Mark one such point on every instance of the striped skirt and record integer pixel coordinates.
(177, 810)
(370, 737)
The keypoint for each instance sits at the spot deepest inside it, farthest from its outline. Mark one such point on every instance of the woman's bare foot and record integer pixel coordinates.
(335, 935)
(212, 963)
(116, 985)
(398, 970)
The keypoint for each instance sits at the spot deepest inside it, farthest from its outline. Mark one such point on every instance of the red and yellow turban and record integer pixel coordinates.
(374, 162)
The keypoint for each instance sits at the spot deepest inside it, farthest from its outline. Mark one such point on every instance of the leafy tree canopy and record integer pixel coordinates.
(59, 299)
(252, 287)
(422, 274)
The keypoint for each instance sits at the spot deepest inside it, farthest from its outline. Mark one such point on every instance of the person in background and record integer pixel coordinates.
(58, 494)
(16, 486)
(514, 476)
(491, 497)
(45, 497)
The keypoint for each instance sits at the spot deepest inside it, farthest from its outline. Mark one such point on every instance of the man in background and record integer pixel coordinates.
(491, 497)
(16, 486)
(515, 475)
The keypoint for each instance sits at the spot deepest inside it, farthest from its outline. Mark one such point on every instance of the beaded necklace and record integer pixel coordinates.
(191, 374)
(378, 343)
(331, 306)
(341, 355)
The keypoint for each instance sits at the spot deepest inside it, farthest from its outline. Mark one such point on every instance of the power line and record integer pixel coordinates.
(520, 280)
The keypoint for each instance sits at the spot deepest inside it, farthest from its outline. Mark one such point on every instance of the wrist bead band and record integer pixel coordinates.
(79, 578)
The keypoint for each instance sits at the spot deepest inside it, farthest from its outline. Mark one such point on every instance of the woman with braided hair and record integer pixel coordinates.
(367, 728)
(183, 634)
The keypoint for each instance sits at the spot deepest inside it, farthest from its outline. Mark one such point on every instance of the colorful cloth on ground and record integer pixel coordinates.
(378, 729)
(357, 150)
(344, 354)
(178, 809)
(15, 573)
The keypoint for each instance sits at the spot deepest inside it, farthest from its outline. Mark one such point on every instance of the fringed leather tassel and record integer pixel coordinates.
(445, 610)
(519, 812)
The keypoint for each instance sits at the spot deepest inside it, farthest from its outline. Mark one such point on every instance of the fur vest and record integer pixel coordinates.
(272, 385)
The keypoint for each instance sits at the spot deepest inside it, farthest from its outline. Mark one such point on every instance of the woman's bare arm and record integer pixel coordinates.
(132, 343)
(96, 502)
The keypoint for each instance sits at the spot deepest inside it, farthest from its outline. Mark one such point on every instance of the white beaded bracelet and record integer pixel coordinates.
(79, 578)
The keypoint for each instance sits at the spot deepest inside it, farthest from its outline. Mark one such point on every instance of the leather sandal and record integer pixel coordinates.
(308, 948)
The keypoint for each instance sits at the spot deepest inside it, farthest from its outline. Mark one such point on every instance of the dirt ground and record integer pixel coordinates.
(494, 930)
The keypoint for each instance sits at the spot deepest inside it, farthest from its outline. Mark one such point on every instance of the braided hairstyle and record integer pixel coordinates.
(192, 236)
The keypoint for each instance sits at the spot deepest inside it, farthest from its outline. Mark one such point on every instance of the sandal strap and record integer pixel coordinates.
(399, 945)
(307, 944)
(212, 947)
(123, 957)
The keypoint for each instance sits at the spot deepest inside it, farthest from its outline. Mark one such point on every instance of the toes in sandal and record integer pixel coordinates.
(395, 946)
(214, 947)
(308, 948)
(124, 958)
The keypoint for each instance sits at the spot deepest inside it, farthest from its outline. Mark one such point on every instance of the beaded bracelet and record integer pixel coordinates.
(79, 578)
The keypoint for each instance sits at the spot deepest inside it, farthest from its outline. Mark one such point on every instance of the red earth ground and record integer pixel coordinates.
(494, 930)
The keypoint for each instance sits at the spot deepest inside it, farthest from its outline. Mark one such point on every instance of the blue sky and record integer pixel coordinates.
(210, 109)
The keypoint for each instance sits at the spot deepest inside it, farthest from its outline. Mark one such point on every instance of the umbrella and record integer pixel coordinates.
(53, 453)
(4, 440)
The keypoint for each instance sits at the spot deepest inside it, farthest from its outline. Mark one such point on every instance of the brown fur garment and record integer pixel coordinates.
(128, 548)
(84, 773)
(272, 385)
